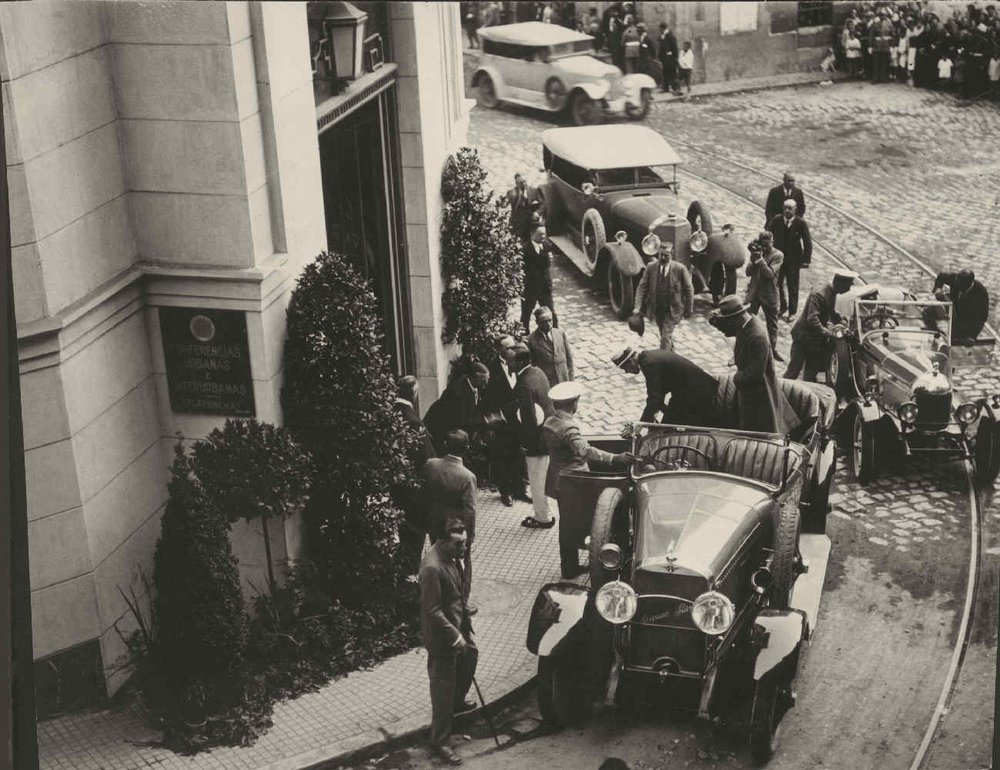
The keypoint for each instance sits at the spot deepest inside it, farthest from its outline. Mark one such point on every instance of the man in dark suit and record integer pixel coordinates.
(459, 406)
(762, 289)
(667, 50)
(447, 634)
(812, 335)
(777, 196)
(533, 407)
(413, 528)
(525, 202)
(550, 350)
(537, 256)
(506, 459)
(760, 404)
(691, 389)
(791, 238)
(450, 493)
(970, 301)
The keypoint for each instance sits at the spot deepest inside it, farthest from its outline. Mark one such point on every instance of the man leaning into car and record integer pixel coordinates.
(813, 332)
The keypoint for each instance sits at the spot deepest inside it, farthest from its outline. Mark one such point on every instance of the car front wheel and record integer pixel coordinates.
(486, 93)
(561, 699)
(766, 721)
(863, 449)
(584, 111)
(838, 369)
(621, 291)
(640, 110)
(784, 566)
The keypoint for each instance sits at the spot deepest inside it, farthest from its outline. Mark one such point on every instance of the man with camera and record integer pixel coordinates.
(762, 291)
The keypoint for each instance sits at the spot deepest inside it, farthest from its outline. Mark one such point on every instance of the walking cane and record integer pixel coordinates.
(486, 713)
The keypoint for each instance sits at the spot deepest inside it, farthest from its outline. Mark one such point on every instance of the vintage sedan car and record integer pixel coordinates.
(702, 585)
(621, 181)
(893, 366)
(553, 68)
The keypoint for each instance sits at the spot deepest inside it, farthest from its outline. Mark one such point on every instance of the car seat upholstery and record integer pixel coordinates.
(703, 442)
(756, 459)
(810, 401)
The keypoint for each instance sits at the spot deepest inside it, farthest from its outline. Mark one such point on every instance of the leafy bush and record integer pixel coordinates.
(480, 258)
(253, 470)
(338, 401)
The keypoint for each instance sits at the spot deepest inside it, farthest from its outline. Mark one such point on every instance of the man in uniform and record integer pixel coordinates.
(812, 335)
(970, 301)
(569, 451)
(550, 349)
(760, 404)
(691, 389)
(446, 629)
(665, 294)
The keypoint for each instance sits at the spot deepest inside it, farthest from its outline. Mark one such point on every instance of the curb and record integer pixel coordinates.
(382, 739)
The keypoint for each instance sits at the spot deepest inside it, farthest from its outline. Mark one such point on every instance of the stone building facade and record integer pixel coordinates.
(171, 160)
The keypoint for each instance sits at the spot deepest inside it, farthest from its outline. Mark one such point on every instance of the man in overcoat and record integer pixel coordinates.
(533, 407)
(667, 50)
(459, 406)
(665, 294)
(760, 404)
(447, 634)
(550, 349)
(507, 467)
(777, 196)
(791, 238)
(537, 255)
(691, 389)
(812, 334)
(762, 289)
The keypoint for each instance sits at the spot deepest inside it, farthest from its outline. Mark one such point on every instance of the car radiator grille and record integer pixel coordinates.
(933, 410)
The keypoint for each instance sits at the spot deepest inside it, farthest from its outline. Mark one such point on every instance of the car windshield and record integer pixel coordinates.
(642, 176)
(914, 333)
(571, 49)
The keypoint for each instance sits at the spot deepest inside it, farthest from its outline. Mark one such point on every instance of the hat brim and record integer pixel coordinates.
(732, 313)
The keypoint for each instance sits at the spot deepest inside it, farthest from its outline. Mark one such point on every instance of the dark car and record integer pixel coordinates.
(697, 585)
(608, 188)
(892, 364)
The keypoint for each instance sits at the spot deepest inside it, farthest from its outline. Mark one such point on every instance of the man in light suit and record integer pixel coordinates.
(525, 201)
(791, 238)
(533, 407)
(447, 634)
(450, 493)
(550, 350)
(665, 294)
(778, 194)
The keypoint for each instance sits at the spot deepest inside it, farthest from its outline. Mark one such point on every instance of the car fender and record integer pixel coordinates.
(636, 82)
(595, 91)
(498, 82)
(623, 256)
(785, 630)
(558, 609)
(825, 459)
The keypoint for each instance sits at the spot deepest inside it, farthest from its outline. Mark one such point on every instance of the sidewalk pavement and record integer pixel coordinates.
(365, 708)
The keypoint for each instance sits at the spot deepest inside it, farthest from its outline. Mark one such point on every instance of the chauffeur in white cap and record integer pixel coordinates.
(569, 451)
(812, 334)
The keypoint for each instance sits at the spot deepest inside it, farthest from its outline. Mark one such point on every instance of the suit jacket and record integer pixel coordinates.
(555, 358)
(763, 273)
(568, 450)
(692, 389)
(457, 407)
(819, 310)
(537, 277)
(680, 289)
(522, 207)
(971, 308)
(667, 49)
(760, 404)
(444, 617)
(532, 389)
(449, 493)
(793, 241)
(425, 447)
(776, 200)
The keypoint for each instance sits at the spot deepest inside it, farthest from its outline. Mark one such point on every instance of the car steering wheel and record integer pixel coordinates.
(679, 463)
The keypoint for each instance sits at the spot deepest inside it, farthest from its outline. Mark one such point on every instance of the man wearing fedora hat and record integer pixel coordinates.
(813, 334)
(665, 293)
(691, 389)
(569, 451)
(760, 404)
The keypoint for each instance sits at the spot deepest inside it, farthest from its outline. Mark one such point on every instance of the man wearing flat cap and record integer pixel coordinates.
(569, 451)
(691, 389)
(760, 404)
(812, 334)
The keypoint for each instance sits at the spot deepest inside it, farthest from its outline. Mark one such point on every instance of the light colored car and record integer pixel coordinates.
(553, 68)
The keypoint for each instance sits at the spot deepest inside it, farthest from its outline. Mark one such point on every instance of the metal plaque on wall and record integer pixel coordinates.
(208, 361)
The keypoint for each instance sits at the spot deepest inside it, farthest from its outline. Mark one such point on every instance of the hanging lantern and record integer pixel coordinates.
(345, 27)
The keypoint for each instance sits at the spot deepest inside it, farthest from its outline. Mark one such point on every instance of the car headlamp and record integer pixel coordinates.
(713, 613)
(967, 413)
(616, 602)
(908, 412)
(587, 188)
(651, 245)
(610, 557)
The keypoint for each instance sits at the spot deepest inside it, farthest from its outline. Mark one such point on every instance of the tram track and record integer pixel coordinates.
(973, 583)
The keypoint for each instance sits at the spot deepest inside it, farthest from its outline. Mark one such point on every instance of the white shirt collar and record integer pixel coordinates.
(404, 401)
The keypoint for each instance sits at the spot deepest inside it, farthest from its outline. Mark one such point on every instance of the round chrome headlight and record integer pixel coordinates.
(610, 557)
(713, 613)
(651, 245)
(587, 188)
(967, 413)
(908, 412)
(616, 602)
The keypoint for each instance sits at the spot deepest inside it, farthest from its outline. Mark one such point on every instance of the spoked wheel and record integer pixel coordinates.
(560, 696)
(863, 449)
(621, 291)
(766, 721)
(593, 235)
(640, 110)
(486, 93)
(584, 111)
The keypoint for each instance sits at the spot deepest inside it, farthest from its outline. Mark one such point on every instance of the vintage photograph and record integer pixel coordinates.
(515, 385)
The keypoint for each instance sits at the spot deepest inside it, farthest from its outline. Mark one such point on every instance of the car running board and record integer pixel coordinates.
(573, 253)
(808, 588)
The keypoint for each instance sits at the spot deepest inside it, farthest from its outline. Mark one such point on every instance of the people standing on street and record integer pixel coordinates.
(647, 52)
(569, 451)
(459, 405)
(550, 348)
(813, 335)
(970, 303)
(762, 289)
(533, 407)
(537, 255)
(446, 628)
(668, 58)
(880, 40)
(791, 238)
(507, 469)
(413, 528)
(760, 404)
(525, 203)
(685, 67)
(852, 52)
(778, 194)
(630, 42)
(691, 389)
(470, 22)
(665, 294)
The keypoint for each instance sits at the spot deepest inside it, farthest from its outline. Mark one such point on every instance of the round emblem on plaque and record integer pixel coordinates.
(202, 328)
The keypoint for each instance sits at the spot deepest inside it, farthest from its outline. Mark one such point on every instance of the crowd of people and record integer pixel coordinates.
(904, 41)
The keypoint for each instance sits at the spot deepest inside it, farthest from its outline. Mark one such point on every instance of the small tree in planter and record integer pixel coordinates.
(480, 258)
(253, 470)
(338, 401)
